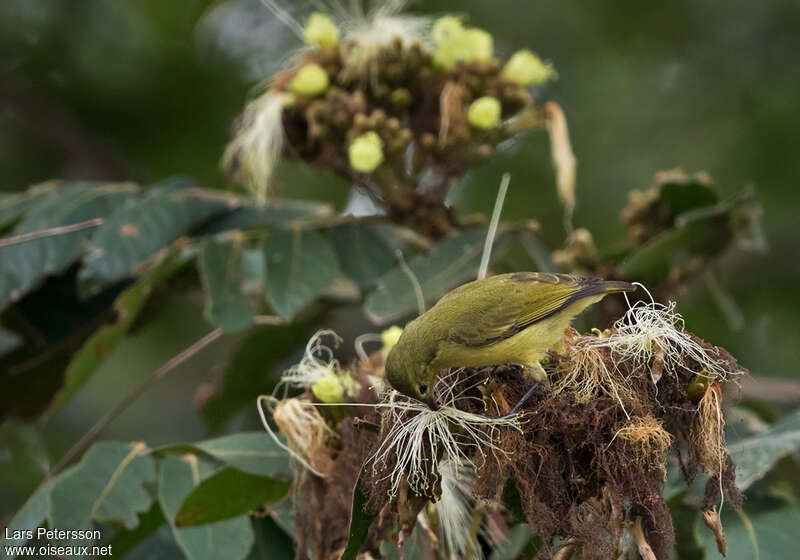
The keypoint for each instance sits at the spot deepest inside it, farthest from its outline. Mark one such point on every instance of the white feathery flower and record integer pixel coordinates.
(379, 23)
(649, 330)
(454, 510)
(370, 24)
(318, 362)
(419, 434)
(255, 149)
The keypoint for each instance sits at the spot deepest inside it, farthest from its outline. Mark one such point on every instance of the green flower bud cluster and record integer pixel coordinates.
(406, 110)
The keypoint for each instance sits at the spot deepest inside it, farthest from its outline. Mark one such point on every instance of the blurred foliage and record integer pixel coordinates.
(138, 91)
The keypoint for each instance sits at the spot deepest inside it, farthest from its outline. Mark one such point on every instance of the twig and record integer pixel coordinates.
(490, 234)
(414, 282)
(769, 389)
(50, 232)
(637, 534)
(131, 397)
(566, 551)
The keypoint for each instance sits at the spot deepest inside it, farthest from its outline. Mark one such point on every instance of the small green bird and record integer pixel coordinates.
(505, 319)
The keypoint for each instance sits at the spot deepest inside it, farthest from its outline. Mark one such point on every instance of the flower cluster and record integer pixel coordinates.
(399, 105)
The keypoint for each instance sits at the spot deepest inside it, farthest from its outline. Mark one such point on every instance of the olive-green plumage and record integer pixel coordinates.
(505, 319)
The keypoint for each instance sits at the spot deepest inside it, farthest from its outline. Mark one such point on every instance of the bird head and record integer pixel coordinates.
(410, 377)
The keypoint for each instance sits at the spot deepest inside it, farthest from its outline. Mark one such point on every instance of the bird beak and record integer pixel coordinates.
(431, 403)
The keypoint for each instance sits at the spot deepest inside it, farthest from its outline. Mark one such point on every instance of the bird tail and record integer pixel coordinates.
(614, 286)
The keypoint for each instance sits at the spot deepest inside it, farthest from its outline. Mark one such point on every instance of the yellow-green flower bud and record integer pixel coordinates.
(311, 79)
(480, 43)
(455, 44)
(366, 152)
(484, 112)
(329, 389)
(446, 28)
(321, 31)
(525, 68)
(390, 336)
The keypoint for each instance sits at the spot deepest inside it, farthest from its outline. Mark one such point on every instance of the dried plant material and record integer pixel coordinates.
(305, 430)
(708, 431)
(585, 373)
(712, 520)
(563, 158)
(453, 120)
(579, 253)
(648, 438)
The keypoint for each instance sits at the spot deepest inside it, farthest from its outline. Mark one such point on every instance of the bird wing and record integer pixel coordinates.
(512, 303)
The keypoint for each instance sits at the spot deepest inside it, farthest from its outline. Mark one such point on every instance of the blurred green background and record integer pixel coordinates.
(143, 89)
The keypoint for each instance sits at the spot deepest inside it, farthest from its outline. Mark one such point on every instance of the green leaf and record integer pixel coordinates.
(24, 460)
(283, 516)
(253, 369)
(222, 273)
(231, 539)
(31, 515)
(699, 235)
(23, 265)
(104, 340)
(150, 522)
(14, 205)
(514, 544)
(360, 520)
(143, 227)
(756, 455)
(689, 194)
(228, 493)
(364, 254)
(684, 518)
(107, 485)
(160, 545)
(279, 213)
(447, 265)
(271, 541)
(413, 548)
(702, 236)
(252, 452)
(300, 266)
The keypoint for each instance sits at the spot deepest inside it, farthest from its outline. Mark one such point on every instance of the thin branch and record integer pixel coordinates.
(771, 390)
(490, 234)
(50, 232)
(637, 534)
(139, 390)
(414, 282)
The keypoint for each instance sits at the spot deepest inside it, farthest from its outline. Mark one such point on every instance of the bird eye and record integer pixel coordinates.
(423, 389)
